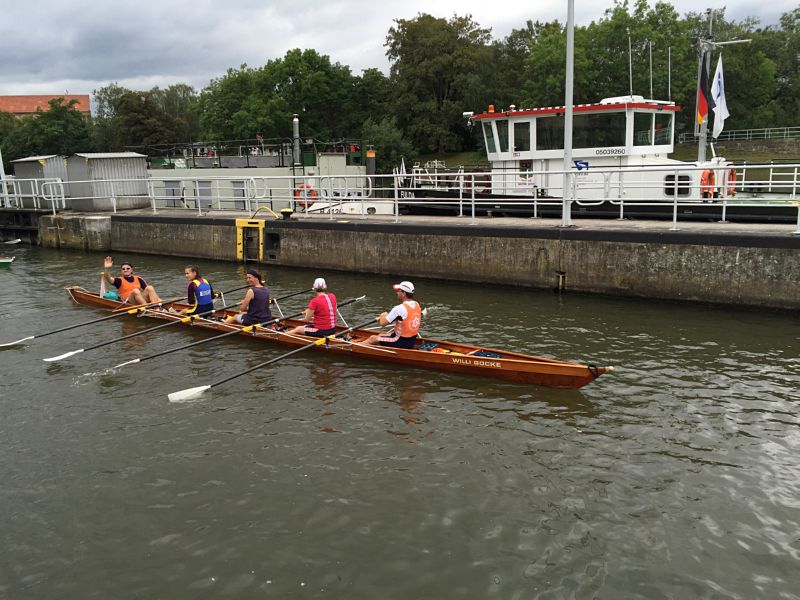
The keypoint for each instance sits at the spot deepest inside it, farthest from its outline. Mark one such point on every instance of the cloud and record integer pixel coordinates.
(50, 46)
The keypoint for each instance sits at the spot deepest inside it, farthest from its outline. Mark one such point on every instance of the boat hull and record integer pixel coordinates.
(450, 357)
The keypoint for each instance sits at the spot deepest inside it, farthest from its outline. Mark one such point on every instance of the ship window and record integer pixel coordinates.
(663, 129)
(682, 187)
(550, 133)
(522, 136)
(487, 133)
(598, 130)
(642, 129)
(502, 135)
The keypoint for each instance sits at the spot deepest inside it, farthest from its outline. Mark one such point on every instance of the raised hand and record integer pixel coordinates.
(108, 262)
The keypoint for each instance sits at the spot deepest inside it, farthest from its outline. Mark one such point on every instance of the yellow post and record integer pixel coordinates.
(241, 226)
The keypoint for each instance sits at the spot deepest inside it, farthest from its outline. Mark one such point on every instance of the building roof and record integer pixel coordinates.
(27, 105)
(110, 155)
(36, 158)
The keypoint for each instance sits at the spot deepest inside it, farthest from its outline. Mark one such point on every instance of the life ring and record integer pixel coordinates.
(707, 184)
(305, 195)
(731, 182)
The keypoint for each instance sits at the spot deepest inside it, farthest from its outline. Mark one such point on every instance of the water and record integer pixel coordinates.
(325, 477)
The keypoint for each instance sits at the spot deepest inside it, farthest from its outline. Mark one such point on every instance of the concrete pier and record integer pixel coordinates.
(737, 264)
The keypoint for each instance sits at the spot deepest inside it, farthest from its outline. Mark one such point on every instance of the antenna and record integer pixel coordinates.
(651, 68)
(630, 63)
(669, 73)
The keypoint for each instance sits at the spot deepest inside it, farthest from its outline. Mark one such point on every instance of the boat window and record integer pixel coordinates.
(598, 130)
(502, 135)
(663, 128)
(682, 186)
(550, 133)
(522, 136)
(487, 133)
(642, 129)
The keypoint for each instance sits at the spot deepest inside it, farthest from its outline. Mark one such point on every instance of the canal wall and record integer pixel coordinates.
(736, 268)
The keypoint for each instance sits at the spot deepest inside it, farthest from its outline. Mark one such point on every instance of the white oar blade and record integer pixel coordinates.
(188, 394)
(18, 342)
(130, 362)
(62, 356)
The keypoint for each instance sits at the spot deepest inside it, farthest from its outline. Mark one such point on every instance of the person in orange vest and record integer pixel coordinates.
(131, 288)
(707, 185)
(406, 316)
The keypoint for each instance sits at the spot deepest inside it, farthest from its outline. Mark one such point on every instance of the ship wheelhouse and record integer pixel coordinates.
(625, 131)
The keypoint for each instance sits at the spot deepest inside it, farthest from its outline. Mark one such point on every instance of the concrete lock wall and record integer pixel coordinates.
(83, 232)
(201, 238)
(726, 274)
(744, 269)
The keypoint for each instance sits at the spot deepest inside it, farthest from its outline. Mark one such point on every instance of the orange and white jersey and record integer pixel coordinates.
(407, 317)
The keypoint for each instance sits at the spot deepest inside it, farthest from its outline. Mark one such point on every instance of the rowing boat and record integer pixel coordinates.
(5, 261)
(428, 353)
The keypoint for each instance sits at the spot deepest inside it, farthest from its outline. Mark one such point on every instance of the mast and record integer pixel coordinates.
(566, 217)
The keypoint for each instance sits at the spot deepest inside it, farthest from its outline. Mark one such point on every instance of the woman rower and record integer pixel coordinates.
(254, 308)
(199, 293)
(321, 310)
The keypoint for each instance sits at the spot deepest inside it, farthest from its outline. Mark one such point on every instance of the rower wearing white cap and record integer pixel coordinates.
(321, 313)
(406, 316)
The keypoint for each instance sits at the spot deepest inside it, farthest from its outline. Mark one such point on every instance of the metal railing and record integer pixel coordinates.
(673, 188)
(746, 134)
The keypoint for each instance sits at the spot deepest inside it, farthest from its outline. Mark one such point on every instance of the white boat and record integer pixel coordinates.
(620, 153)
(5, 261)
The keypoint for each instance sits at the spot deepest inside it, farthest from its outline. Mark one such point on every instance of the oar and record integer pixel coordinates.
(195, 392)
(144, 331)
(128, 311)
(177, 321)
(246, 329)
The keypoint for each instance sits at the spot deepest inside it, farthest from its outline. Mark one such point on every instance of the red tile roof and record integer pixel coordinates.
(27, 105)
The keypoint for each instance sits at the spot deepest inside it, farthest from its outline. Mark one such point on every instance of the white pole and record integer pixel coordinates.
(3, 181)
(566, 217)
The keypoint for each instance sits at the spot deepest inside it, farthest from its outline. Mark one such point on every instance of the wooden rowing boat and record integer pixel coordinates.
(428, 353)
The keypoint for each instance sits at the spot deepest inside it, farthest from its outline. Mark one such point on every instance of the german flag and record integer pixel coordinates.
(704, 101)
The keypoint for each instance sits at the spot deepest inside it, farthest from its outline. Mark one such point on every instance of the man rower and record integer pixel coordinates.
(406, 316)
(131, 288)
(199, 293)
(321, 310)
(254, 308)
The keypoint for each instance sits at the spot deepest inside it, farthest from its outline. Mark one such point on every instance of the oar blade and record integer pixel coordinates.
(18, 342)
(62, 356)
(129, 362)
(188, 393)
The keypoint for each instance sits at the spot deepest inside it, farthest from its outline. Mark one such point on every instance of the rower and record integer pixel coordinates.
(406, 316)
(254, 308)
(199, 293)
(321, 310)
(131, 288)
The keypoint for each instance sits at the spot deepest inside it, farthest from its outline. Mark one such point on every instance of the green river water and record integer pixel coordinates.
(677, 476)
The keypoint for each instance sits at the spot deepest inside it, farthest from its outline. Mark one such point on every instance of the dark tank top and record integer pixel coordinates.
(258, 310)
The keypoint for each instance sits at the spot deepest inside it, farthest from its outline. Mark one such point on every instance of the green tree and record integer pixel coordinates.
(435, 67)
(248, 101)
(59, 130)
(390, 145)
(142, 123)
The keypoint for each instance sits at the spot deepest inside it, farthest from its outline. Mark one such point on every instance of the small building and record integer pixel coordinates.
(23, 106)
(100, 181)
(30, 175)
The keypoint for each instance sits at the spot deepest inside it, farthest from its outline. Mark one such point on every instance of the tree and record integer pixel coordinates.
(388, 141)
(434, 69)
(142, 123)
(59, 130)
(248, 101)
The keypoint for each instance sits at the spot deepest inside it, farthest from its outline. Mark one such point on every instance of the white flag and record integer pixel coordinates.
(718, 96)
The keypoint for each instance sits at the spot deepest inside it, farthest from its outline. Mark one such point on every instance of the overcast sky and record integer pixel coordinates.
(53, 47)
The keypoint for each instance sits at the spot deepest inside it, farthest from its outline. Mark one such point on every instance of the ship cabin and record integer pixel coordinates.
(526, 149)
